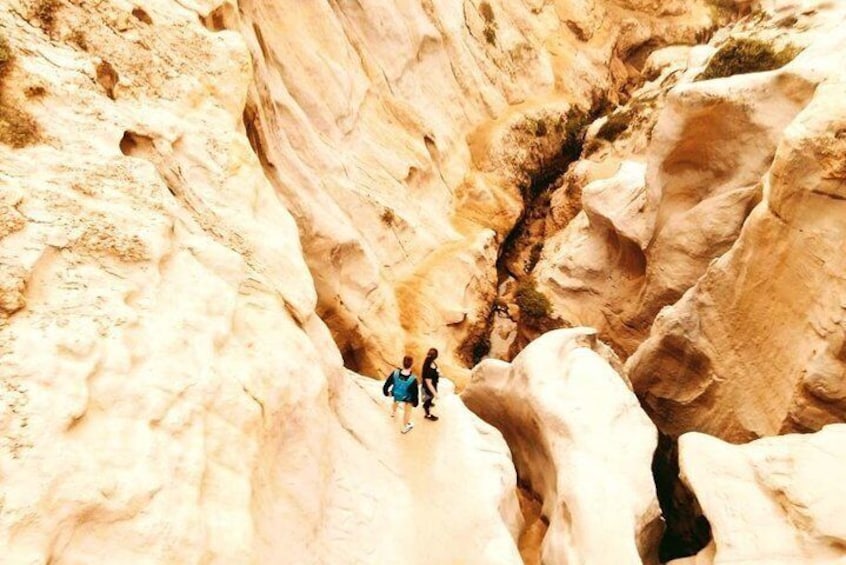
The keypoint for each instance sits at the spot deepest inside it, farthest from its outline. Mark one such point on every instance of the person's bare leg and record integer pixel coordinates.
(406, 415)
(394, 408)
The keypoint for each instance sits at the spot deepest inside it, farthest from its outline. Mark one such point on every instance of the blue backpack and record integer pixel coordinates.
(401, 386)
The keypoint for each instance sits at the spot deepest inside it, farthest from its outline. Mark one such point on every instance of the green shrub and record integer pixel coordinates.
(740, 56)
(534, 305)
(614, 126)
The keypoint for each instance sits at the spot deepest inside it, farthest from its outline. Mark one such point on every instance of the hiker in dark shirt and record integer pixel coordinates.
(402, 385)
(431, 376)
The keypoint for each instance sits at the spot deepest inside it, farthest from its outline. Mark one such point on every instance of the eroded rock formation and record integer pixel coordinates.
(775, 500)
(436, 106)
(668, 219)
(581, 442)
(208, 208)
(756, 346)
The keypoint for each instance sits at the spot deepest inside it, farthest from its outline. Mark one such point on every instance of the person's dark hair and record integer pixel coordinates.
(430, 357)
(407, 361)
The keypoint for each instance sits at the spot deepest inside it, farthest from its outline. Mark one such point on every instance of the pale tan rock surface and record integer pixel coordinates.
(705, 148)
(592, 270)
(381, 128)
(776, 500)
(167, 393)
(756, 346)
(581, 442)
(443, 493)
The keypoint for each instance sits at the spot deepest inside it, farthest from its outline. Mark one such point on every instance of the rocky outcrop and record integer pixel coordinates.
(208, 208)
(669, 184)
(775, 500)
(756, 346)
(668, 181)
(581, 442)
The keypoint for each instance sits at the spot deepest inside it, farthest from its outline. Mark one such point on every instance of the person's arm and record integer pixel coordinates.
(430, 387)
(389, 382)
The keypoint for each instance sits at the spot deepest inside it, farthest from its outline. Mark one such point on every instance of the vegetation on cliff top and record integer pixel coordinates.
(5, 56)
(745, 55)
(533, 304)
(17, 128)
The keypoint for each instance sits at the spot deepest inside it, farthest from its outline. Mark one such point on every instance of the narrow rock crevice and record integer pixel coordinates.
(535, 524)
(687, 530)
(522, 246)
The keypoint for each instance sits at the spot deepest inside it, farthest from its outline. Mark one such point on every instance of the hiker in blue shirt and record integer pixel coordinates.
(402, 385)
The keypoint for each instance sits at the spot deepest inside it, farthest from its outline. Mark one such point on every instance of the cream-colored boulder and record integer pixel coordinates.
(775, 500)
(592, 269)
(713, 142)
(618, 203)
(756, 346)
(581, 442)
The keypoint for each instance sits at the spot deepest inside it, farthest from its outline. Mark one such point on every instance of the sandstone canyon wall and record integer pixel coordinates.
(208, 209)
(720, 202)
(168, 393)
(429, 101)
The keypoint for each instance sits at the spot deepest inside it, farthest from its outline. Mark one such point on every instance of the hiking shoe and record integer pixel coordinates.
(407, 427)
(431, 417)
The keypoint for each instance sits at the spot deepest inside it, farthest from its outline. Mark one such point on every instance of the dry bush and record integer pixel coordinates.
(17, 128)
(614, 126)
(388, 217)
(722, 11)
(45, 11)
(77, 37)
(487, 14)
(35, 91)
(741, 56)
(6, 57)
